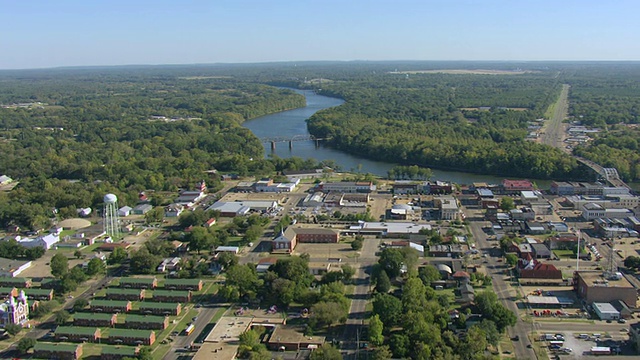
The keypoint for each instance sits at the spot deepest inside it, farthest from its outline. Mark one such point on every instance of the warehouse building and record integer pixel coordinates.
(132, 337)
(74, 333)
(606, 311)
(183, 284)
(44, 350)
(172, 296)
(110, 306)
(147, 322)
(157, 308)
(94, 319)
(125, 294)
(118, 352)
(138, 283)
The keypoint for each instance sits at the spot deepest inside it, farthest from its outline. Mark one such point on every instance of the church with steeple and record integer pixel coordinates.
(14, 310)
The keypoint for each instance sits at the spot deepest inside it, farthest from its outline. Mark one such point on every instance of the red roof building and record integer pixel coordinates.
(460, 275)
(536, 270)
(515, 186)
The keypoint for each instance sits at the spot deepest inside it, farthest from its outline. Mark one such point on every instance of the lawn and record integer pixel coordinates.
(564, 253)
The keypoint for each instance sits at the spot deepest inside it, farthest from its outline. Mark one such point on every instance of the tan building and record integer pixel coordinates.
(592, 286)
(289, 238)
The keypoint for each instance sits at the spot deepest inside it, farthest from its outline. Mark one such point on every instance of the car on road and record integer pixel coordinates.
(194, 318)
(622, 321)
(516, 338)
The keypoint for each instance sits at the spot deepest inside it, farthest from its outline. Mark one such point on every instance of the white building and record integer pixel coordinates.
(347, 187)
(169, 264)
(124, 211)
(46, 241)
(12, 268)
(591, 211)
(14, 310)
(606, 311)
(448, 205)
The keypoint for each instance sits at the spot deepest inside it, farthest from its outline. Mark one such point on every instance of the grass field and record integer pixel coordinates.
(563, 253)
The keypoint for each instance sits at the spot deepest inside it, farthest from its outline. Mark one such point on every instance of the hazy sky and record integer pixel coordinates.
(49, 33)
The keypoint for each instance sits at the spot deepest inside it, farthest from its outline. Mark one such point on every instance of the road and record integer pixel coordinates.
(554, 131)
(496, 270)
(357, 313)
(205, 314)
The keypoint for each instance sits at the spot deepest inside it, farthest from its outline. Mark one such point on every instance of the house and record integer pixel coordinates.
(110, 306)
(466, 292)
(142, 209)
(132, 337)
(15, 310)
(210, 222)
(5, 180)
(77, 334)
(541, 251)
(138, 283)
(173, 210)
(124, 211)
(125, 294)
(532, 269)
(169, 264)
(183, 284)
(94, 319)
(9, 269)
(118, 352)
(158, 308)
(172, 296)
(146, 322)
(43, 350)
(265, 263)
(562, 241)
(84, 212)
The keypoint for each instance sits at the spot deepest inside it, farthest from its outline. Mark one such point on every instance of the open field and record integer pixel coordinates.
(465, 72)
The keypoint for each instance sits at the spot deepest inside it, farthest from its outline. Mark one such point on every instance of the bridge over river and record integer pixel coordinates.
(609, 174)
(291, 140)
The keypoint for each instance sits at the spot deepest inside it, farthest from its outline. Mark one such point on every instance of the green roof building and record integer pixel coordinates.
(146, 322)
(39, 294)
(125, 294)
(183, 284)
(158, 308)
(118, 352)
(63, 351)
(74, 333)
(172, 296)
(138, 283)
(132, 337)
(15, 281)
(110, 306)
(94, 319)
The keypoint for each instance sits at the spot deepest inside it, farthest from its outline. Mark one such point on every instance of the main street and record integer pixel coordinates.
(554, 130)
(496, 270)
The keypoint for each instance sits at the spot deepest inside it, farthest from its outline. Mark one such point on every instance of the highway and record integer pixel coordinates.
(554, 131)
(501, 287)
(181, 342)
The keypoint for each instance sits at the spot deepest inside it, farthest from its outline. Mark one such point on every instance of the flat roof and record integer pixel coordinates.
(171, 292)
(595, 278)
(76, 330)
(391, 227)
(228, 329)
(182, 282)
(124, 291)
(11, 265)
(218, 351)
(92, 316)
(133, 280)
(144, 319)
(605, 308)
(293, 334)
(158, 305)
(119, 350)
(130, 333)
(109, 303)
(549, 300)
(42, 346)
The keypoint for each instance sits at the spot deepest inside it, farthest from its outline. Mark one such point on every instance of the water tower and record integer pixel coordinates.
(110, 216)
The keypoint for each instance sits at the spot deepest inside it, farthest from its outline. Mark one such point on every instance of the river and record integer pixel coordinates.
(293, 122)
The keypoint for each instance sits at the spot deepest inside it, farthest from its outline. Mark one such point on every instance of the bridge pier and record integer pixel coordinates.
(273, 146)
(290, 144)
(317, 143)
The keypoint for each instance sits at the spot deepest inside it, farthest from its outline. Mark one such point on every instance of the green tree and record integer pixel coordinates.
(375, 331)
(13, 329)
(59, 265)
(96, 267)
(80, 304)
(381, 353)
(62, 316)
(77, 254)
(388, 308)
(347, 272)
(391, 261)
(490, 330)
(357, 243)
(227, 259)
(199, 239)
(244, 277)
(145, 353)
(429, 274)
(512, 259)
(400, 345)
(506, 204)
(155, 215)
(117, 256)
(325, 352)
(383, 284)
(25, 344)
(328, 313)
(144, 262)
(413, 296)
(632, 262)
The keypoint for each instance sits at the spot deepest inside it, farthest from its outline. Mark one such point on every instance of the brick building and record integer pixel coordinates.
(75, 333)
(138, 283)
(44, 350)
(118, 352)
(147, 322)
(592, 286)
(125, 294)
(132, 337)
(39, 294)
(157, 308)
(20, 283)
(110, 306)
(94, 319)
(183, 284)
(172, 296)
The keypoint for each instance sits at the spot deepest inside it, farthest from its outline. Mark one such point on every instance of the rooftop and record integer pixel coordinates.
(170, 293)
(144, 319)
(605, 308)
(92, 316)
(124, 291)
(76, 330)
(132, 280)
(130, 333)
(158, 305)
(42, 346)
(109, 303)
(11, 265)
(595, 278)
(182, 282)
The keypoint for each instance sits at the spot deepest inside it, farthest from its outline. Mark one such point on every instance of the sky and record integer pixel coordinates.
(46, 33)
